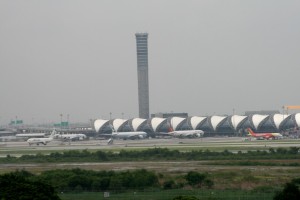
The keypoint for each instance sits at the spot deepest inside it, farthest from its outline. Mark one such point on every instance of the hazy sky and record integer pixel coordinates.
(206, 57)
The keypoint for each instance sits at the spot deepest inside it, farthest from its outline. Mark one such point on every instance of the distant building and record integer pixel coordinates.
(167, 115)
(262, 112)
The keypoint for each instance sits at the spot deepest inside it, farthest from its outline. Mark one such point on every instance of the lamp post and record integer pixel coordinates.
(235, 131)
(282, 116)
(61, 115)
(68, 120)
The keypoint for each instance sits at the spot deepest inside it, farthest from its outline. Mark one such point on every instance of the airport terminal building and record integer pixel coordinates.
(234, 125)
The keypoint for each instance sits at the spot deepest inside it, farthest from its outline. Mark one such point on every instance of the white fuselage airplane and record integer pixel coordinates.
(129, 135)
(77, 136)
(30, 135)
(185, 133)
(126, 135)
(43, 141)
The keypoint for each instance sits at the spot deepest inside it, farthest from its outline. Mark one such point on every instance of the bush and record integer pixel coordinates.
(195, 178)
(290, 192)
(170, 184)
(20, 186)
(185, 198)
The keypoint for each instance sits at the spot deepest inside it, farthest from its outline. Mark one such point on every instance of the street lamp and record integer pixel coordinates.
(68, 120)
(233, 121)
(61, 115)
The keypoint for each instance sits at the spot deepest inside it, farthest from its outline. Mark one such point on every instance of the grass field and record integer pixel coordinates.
(252, 179)
(170, 194)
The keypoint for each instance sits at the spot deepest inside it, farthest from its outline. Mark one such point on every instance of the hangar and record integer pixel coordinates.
(211, 125)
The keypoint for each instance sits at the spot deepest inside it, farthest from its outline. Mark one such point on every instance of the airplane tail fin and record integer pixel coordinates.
(110, 141)
(112, 128)
(53, 133)
(250, 132)
(170, 128)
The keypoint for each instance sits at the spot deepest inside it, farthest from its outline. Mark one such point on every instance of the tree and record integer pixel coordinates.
(170, 184)
(195, 178)
(290, 192)
(19, 186)
(185, 198)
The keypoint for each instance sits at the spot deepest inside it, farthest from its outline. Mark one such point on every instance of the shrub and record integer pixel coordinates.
(170, 184)
(290, 192)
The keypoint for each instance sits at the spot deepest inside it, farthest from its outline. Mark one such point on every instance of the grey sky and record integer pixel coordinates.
(205, 57)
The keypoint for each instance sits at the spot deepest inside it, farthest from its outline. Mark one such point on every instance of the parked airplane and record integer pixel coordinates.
(30, 135)
(69, 137)
(7, 134)
(185, 133)
(264, 135)
(129, 135)
(43, 141)
(126, 135)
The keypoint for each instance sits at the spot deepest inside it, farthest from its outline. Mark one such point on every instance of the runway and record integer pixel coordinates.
(233, 144)
(18, 148)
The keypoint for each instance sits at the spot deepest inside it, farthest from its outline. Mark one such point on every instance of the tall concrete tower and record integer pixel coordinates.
(142, 70)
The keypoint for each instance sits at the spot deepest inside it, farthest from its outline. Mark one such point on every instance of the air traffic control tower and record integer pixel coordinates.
(142, 70)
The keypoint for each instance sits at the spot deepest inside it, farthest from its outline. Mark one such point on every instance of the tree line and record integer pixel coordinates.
(154, 154)
(25, 185)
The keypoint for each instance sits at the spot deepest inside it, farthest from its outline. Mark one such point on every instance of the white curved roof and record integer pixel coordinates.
(297, 118)
(215, 120)
(136, 122)
(156, 121)
(99, 123)
(195, 121)
(175, 121)
(117, 123)
(257, 119)
(278, 118)
(236, 120)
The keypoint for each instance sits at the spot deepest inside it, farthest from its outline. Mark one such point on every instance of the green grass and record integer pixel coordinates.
(187, 148)
(170, 194)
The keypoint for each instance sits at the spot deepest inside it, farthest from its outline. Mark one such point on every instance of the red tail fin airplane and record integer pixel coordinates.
(264, 135)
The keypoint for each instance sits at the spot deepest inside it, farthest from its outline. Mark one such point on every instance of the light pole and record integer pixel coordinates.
(282, 116)
(68, 120)
(61, 115)
(233, 121)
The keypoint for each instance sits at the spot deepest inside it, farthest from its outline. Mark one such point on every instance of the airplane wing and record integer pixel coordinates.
(106, 136)
(268, 137)
(137, 136)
